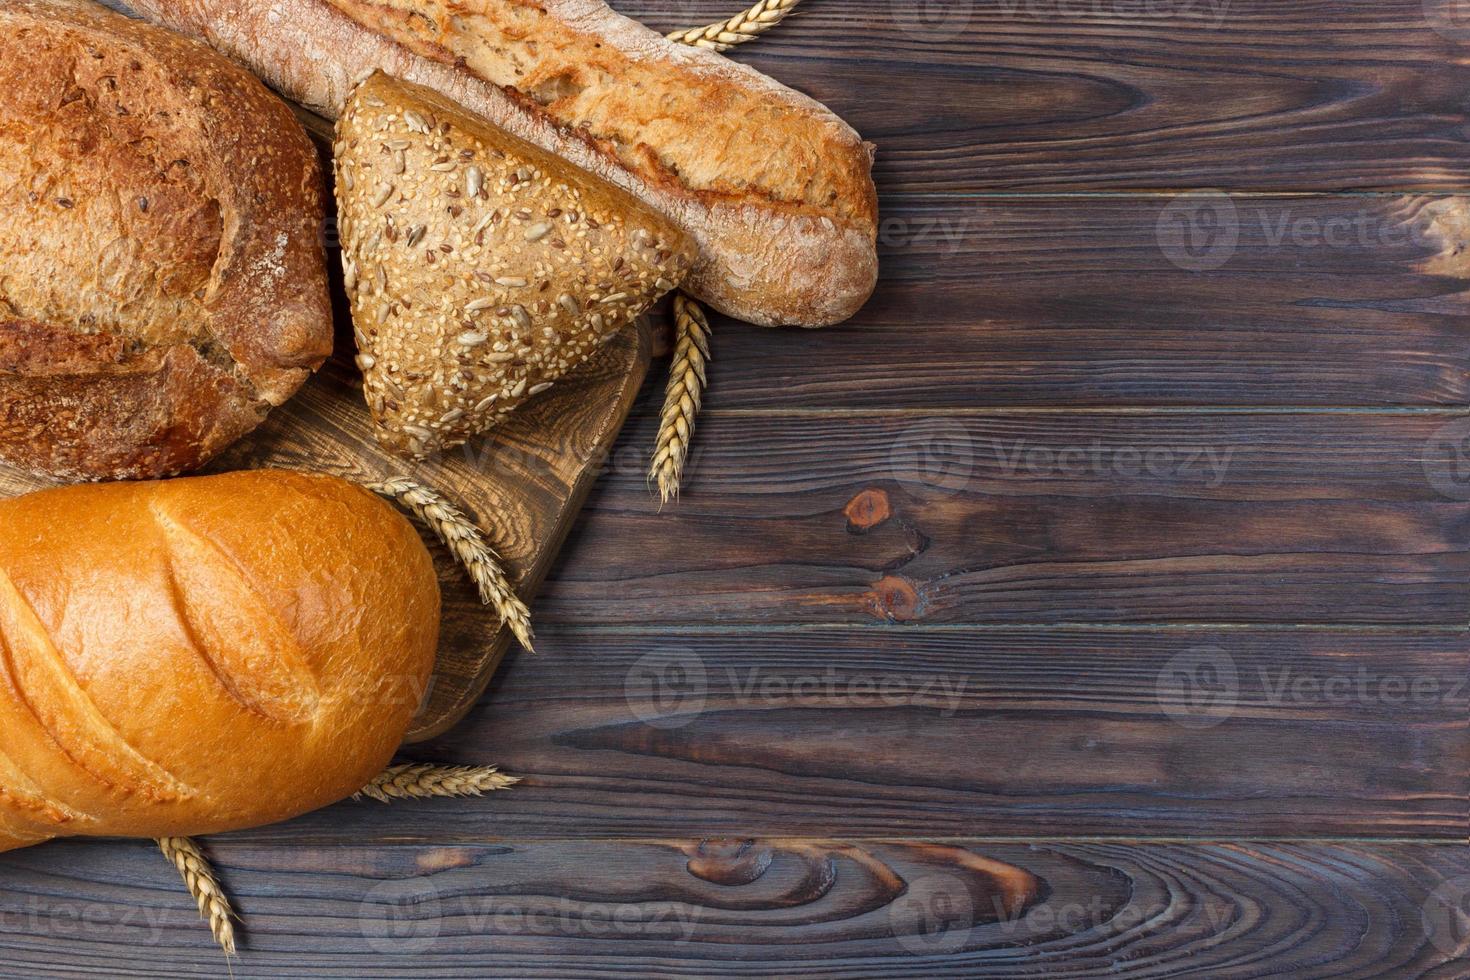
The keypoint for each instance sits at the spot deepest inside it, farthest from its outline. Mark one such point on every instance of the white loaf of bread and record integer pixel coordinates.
(203, 654)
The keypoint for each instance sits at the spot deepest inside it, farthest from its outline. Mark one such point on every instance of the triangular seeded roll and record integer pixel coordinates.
(480, 267)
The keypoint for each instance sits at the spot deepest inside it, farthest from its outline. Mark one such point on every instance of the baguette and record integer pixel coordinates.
(162, 277)
(774, 188)
(203, 654)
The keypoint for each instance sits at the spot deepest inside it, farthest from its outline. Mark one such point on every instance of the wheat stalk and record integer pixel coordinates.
(200, 879)
(681, 398)
(744, 26)
(417, 781)
(464, 539)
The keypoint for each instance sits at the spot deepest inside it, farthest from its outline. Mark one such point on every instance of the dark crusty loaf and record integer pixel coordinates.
(776, 190)
(191, 656)
(162, 279)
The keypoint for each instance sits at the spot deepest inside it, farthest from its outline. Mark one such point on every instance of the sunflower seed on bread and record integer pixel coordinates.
(484, 271)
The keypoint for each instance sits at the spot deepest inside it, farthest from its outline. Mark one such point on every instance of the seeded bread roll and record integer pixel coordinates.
(481, 268)
(162, 280)
(775, 189)
(205, 654)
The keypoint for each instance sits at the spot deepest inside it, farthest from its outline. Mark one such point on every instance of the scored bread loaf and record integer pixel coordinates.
(162, 277)
(203, 654)
(481, 268)
(775, 188)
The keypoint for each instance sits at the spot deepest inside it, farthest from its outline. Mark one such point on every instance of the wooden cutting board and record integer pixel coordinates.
(523, 484)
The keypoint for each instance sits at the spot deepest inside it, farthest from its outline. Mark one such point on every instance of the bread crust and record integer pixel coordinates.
(161, 262)
(776, 190)
(203, 654)
(480, 268)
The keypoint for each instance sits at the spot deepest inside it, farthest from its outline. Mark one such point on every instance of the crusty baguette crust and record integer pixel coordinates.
(162, 277)
(776, 190)
(204, 654)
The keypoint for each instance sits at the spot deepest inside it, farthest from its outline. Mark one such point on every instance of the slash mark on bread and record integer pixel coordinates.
(48, 697)
(256, 659)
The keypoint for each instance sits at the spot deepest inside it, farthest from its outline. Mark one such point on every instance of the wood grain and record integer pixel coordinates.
(787, 907)
(942, 495)
(1035, 517)
(1028, 95)
(1153, 300)
(523, 484)
(918, 732)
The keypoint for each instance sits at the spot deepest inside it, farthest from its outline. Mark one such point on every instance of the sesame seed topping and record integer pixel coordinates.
(443, 350)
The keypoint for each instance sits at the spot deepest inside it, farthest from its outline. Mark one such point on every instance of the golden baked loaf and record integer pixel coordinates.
(481, 268)
(775, 188)
(162, 276)
(203, 654)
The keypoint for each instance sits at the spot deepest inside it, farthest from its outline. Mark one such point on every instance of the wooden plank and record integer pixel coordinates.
(919, 732)
(753, 908)
(1344, 300)
(1033, 517)
(971, 95)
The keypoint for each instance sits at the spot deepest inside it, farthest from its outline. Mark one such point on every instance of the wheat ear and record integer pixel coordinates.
(682, 397)
(200, 879)
(744, 26)
(417, 781)
(463, 538)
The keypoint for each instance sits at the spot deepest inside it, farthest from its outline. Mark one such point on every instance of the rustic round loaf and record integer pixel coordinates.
(162, 277)
(183, 657)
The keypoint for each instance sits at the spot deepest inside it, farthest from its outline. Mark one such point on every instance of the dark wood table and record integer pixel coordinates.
(1094, 604)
